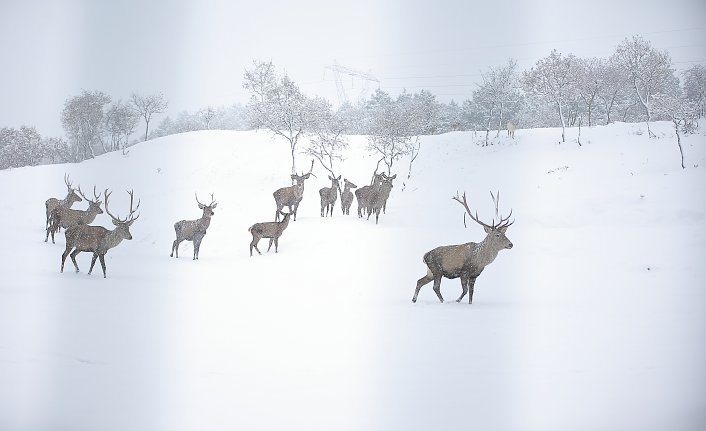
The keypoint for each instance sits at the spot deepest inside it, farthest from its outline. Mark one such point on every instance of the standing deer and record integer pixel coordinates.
(468, 260)
(347, 196)
(329, 196)
(67, 217)
(97, 239)
(67, 202)
(291, 196)
(511, 129)
(365, 193)
(193, 230)
(272, 230)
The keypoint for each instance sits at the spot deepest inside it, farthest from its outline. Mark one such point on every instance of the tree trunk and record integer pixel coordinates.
(681, 151)
(563, 123)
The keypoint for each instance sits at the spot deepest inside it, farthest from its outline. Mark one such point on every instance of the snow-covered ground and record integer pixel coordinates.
(595, 320)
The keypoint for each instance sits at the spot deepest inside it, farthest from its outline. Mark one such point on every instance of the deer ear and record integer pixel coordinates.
(115, 222)
(487, 229)
(503, 229)
(339, 178)
(329, 177)
(214, 206)
(294, 177)
(201, 206)
(393, 177)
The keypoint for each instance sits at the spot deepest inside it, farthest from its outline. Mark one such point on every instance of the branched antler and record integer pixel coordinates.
(130, 218)
(503, 223)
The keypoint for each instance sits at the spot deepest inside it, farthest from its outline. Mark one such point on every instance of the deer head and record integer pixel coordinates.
(122, 227)
(495, 232)
(71, 196)
(207, 209)
(93, 205)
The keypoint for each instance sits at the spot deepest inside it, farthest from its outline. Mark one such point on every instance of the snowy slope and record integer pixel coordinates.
(594, 320)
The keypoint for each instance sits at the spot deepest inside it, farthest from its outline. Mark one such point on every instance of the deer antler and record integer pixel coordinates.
(503, 223)
(129, 218)
(67, 181)
(96, 196)
(213, 201)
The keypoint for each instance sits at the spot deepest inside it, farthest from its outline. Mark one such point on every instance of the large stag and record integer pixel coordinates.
(194, 230)
(67, 202)
(292, 196)
(97, 239)
(468, 260)
(347, 196)
(272, 230)
(329, 196)
(67, 217)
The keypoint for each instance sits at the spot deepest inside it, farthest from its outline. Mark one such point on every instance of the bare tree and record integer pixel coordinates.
(695, 87)
(120, 123)
(82, 119)
(329, 141)
(649, 70)
(147, 106)
(551, 79)
(681, 111)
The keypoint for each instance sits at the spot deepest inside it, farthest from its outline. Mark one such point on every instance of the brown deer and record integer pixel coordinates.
(67, 202)
(67, 217)
(347, 196)
(329, 196)
(365, 193)
(378, 197)
(292, 196)
(468, 260)
(193, 230)
(97, 239)
(272, 230)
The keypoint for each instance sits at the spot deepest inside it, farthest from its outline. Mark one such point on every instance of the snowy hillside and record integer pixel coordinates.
(596, 319)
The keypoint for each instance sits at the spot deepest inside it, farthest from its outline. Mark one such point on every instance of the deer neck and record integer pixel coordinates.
(111, 239)
(485, 252)
(204, 222)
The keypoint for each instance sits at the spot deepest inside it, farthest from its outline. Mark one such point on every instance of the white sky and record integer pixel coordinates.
(195, 51)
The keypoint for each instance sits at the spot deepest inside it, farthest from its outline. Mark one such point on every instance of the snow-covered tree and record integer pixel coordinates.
(279, 105)
(392, 133)
(695, 87)
(328, 141)
(589, 83)
(552, 80)
(613, 90)
(25, 147)
(680, 111)
(147, 106)
(120, 123)
(649, 70)
(450, 117)
(82, 119)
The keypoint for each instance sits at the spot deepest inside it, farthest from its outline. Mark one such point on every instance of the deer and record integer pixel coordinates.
(364, 194)
(511, 129)
(193, 230)
(292, 196)
(468, 260)
(97, 239)
(379, 195)
(67, 217)
(329, 196)
(271, 230)
(347, 196)
(67, 202)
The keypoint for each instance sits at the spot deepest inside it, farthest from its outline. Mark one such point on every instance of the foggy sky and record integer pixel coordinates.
(195, 51)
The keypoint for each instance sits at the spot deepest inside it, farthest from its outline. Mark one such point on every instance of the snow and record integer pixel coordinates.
(594, 320)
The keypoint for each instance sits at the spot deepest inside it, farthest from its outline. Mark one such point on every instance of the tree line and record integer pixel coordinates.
(637, 82)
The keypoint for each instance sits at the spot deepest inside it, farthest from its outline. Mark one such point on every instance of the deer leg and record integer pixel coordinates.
(93, 262)
(437, 288)
(63, 256)
(253, 243)
(102, 258)
(175, 247)
(421, 282)
(270, 246)
(471, 283)
(464, 285)
(197, 246)
(73, 258)
(276, 244)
